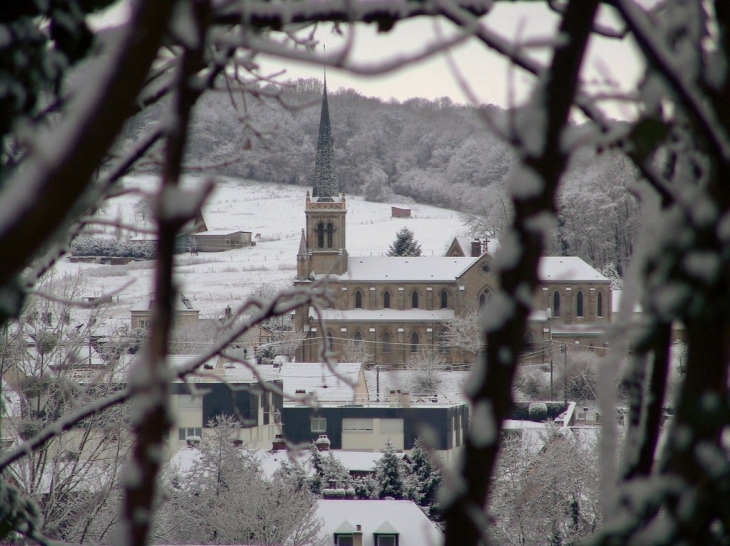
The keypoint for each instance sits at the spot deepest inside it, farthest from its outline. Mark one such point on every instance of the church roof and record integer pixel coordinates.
(325, 178)
(422, 268)
(385, 315)
(567, 268)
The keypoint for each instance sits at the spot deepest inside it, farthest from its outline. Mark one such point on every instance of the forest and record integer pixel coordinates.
(434, 152)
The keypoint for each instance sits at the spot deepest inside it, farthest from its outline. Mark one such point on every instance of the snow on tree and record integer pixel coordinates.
(224, 496)
(427, 477)
(389, 474)
(56, 137)
(405, 244)
(427, 367)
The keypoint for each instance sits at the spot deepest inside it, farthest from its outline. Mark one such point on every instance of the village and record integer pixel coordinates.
(364, 397)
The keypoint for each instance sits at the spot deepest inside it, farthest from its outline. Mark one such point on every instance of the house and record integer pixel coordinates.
(227, 388)
(377, 523)
(401, 306)
(345, 383)
(184, 312)
(218, 240)
(369, 426)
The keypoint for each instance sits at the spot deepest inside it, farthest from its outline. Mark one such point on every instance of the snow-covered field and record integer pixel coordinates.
(276, 212)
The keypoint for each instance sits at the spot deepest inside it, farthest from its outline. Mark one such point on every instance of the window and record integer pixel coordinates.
(330, 231)
(414, 342)
(330, 340)
(386, 540)
(529, 341)
(351, 424)
(556, 304)
(386, 342)
(320, 235)
(318, 424)
(391, 426)
(579, 304)
(183, 433)
(187, 401)
(358, 338)
(386, 300)
(144, 323)
(444, 299)
(483, 298)
(358, 300)
(344, 540)
(414, 300)
(599, 305)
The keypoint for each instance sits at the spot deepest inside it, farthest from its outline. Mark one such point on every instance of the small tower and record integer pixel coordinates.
(326, 210)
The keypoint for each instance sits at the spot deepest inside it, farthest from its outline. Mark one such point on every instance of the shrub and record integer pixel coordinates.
(97, 246)
(538, 411)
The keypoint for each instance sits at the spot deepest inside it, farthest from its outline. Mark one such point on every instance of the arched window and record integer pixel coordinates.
(330, 340)
(579, 304)
(358, 337)
(358, 300)
(556, 304)
(529, 341)
(414, 342)
(444, 299)
(320, 235)
(414, 300)
(599, 305)
(386, 342)
(483, 298)
(330, 231)
(386, 300)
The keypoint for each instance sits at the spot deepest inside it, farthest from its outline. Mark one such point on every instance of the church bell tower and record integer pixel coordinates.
(323, 248)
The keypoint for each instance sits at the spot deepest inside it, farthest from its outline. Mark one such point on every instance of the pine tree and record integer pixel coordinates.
(389, 474)
(405, 244)
(427, 476)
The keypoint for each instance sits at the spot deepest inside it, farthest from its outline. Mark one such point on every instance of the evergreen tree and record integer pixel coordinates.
(427, 476)
(389, 474)
(405, 244)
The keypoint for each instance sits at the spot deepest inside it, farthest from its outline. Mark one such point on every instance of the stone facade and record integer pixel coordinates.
(399, 306)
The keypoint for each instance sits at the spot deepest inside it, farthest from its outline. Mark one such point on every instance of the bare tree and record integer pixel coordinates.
(464, 331)
(427, 367)
(54, 141)
(223, 498)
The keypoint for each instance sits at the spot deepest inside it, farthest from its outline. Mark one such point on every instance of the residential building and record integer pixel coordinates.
(377, 523)
(184, 314)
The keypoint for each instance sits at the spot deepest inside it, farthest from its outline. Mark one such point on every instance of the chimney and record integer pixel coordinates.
(405, 399)
(322, 443)
(476, 249)
(278, 444)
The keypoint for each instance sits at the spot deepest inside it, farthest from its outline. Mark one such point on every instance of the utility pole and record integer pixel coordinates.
(565, 372)
(377, 383)
(552, 396)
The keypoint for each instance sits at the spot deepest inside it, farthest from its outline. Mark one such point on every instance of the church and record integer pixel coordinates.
(398, 306)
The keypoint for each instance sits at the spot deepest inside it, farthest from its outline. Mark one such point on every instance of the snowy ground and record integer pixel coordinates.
(276, 212)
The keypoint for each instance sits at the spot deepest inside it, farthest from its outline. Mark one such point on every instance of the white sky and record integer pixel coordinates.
(490, 77)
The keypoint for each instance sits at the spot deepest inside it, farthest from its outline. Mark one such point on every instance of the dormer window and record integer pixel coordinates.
(386, 540)
(344, 540)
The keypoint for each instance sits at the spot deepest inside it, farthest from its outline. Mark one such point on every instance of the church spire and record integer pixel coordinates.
(325, 177)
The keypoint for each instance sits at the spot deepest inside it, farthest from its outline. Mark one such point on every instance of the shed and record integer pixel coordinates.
(400, 212)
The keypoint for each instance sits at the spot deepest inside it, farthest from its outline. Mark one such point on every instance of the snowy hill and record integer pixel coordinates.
(214, 280)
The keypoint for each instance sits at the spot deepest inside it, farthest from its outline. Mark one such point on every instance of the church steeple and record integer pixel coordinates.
(325, 177)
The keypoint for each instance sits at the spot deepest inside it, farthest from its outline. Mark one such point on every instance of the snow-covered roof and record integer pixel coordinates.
(222, 369)
(319, 379)
(465, 244)
(422, 268)
(450, 385)
(579, 329)
(386, 315)
(567, 268)
(181, 303)
(405, 517)
(219, 232)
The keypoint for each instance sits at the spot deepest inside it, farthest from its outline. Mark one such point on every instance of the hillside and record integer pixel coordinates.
(276, 212)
